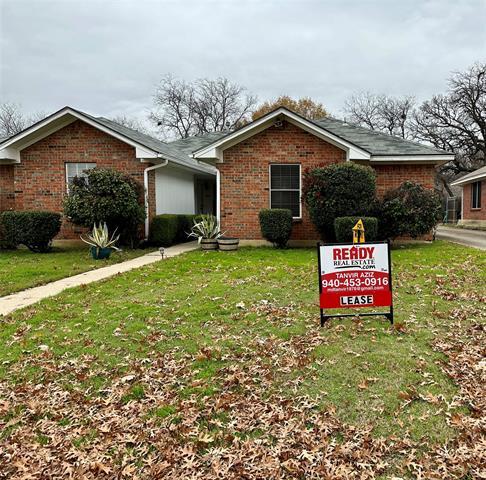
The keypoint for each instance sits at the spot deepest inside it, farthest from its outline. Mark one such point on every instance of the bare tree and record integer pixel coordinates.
(184, 109)
(383, 113)
(13, 120)
(456, 121)
(131, 122)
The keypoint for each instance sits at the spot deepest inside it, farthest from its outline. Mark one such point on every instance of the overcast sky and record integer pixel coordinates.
(105, 57)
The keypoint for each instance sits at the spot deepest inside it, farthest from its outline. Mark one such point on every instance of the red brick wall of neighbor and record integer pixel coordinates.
(7, 196)
(476, 214)
(40, 178)
(245, 176)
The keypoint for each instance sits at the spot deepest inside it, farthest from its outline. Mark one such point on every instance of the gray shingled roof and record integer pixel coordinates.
(191, 144)
(376, 143)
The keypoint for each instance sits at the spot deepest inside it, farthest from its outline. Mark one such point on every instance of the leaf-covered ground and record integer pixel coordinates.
(212, 365)
(21, 268)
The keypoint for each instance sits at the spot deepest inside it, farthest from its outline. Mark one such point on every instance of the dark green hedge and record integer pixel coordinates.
(169, 229)
(34, 229)
(343, 228)
(409, 210)
(276, 225)
(338, 190)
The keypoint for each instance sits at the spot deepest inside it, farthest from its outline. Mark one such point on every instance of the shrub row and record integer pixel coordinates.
(343, 227)
(348, 189)
(34, 229)
(168, 229)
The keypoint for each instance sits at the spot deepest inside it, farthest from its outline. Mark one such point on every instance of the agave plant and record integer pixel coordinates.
(100, 238)
(208, 227)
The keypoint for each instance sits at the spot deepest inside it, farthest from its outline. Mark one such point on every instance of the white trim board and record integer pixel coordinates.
(473, 179)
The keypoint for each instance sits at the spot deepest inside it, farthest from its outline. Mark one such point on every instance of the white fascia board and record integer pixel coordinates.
(474, 178)
(63, 118)
(215, 150)
(412, 159)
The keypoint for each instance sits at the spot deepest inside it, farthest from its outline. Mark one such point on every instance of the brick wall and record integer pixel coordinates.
(468, 212)
(40, 178)
(392, 176)
(245, 176)
(7, 196)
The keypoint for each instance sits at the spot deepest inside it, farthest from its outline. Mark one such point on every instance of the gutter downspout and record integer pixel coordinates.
(146, 190)
(218, 195)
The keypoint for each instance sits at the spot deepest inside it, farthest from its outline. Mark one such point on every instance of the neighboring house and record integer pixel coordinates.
(37, 165)
(257, 166)
(473, 197)
(261, 164)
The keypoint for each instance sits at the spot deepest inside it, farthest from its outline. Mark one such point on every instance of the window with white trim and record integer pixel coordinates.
(77, 170)
(476, 195)
(285, 187)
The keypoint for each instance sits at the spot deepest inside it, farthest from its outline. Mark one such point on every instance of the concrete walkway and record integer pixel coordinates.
(32, 295)
(471, 238)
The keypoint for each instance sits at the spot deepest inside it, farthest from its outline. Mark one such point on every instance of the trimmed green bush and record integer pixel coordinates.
(186, 222)
(168, 229)
(338, 190)
(343, 228)
(276, 225)
(34, 229)
(409, 210)
(106, 195)
(164, 229)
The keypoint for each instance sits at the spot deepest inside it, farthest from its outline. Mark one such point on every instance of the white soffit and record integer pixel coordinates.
(418, 159)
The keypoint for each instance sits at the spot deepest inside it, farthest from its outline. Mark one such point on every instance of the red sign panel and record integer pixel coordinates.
(355, 275)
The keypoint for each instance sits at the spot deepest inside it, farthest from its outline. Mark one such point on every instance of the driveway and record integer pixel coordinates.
(471, 238)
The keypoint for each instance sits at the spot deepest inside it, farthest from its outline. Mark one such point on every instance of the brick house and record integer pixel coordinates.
(261, 165)
(473, 186)
(233, 174)
(37, 165)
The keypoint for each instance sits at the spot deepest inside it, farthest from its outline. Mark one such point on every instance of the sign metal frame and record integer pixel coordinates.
(324, 316)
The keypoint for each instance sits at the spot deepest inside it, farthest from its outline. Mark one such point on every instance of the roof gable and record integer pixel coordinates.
(146, 147)
(358, 142)
(214, 151)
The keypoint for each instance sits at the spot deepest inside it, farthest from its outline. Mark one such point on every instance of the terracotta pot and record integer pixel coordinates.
(228, 244)
(209, 244)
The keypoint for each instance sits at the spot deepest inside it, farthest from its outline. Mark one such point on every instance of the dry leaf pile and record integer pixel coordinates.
(247, 429)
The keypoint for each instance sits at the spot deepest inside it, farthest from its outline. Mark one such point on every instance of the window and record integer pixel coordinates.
(285, 188)
(77, 170)
(476, 195)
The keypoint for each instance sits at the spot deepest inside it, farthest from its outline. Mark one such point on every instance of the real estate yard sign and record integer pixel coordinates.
(355, 275)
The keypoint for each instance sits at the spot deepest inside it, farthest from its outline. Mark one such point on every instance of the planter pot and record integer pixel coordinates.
(209, 244)
(100, 253)
(228, 244)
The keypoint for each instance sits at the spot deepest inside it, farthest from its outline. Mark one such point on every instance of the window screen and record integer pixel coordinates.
(476, 195)
(285, 188)
(77, 170)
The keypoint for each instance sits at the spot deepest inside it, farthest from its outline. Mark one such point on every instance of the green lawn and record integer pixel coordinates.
(214, 363)
(21, 268)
